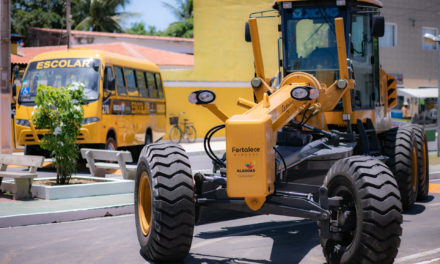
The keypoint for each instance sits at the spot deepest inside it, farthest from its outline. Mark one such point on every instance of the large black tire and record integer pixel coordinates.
(367, 228)
(164, 203)
(400, 145)
(422, 162)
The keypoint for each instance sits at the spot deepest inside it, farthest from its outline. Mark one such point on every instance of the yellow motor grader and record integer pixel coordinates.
(316, 143)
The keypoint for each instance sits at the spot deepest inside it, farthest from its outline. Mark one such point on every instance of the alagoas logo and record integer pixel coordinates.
(249, 167)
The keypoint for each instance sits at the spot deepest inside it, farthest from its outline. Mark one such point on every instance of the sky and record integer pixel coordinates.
(151, 12)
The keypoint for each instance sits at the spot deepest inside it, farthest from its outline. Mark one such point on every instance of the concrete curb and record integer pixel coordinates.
(65, 216)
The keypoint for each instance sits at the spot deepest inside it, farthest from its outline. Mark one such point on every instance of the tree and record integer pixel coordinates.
(104, 16)
(138, 28)
(183, 10)
(59, 110)
(45, 13)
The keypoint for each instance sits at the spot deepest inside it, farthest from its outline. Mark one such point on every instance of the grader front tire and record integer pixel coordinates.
(164, 203)
(367, 227)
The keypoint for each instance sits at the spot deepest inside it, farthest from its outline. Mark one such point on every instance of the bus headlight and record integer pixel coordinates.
(22, 122)
(90, 120)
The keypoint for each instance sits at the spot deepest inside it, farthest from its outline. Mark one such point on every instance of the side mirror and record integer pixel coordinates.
(16, 70)
(247, 32)
(14, 91)
(378, 26)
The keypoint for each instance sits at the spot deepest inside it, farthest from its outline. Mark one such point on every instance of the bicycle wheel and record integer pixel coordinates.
(191, 134)
(175, 134)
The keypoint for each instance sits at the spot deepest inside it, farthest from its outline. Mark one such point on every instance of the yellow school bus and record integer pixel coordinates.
(125, 106)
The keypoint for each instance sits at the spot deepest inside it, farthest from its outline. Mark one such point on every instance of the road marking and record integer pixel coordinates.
(434, 187)
(429, 261)
(434, 180)
(434, 172)
(418, 255)
(433, 205)
(247, 232)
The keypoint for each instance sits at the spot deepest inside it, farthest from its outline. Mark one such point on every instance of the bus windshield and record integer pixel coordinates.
(59, 73)
(310, 43)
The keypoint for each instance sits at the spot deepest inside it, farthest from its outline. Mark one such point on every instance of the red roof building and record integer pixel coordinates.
(37, 37)
(164, 59)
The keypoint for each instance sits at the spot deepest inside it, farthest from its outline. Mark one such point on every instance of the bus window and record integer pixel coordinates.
(142, 86)
(108, 76)
(151, 85)
(120, 84)
(131, 82)
(159, 85)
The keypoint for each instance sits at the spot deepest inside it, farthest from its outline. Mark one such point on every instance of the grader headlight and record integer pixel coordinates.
(304, 93)
(201, 97)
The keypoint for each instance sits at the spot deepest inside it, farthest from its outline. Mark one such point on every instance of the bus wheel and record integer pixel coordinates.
(401, 147)
(367, 226)
(110, 144)
(164, 203)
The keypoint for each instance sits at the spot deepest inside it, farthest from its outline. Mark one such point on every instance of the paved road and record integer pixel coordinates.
(251, 239)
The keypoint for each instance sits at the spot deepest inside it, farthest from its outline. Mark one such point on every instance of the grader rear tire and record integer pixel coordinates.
(422, 162)
(400, 146)
(164, 203)
(367, 227)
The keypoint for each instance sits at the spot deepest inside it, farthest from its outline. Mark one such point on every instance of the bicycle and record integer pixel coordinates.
(176, 134)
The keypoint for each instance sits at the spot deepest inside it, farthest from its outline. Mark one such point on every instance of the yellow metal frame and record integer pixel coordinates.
(251, 136)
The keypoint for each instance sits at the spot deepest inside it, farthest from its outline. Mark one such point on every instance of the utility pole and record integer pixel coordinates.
(68, 26)
(5, 77)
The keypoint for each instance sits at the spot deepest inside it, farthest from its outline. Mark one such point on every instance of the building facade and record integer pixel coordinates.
(403, 52)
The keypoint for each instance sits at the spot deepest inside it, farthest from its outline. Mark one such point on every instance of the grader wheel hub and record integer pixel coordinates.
(414, 168)
(145, 204)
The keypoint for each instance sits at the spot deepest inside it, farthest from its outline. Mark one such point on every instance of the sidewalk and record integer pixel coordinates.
(19, 213)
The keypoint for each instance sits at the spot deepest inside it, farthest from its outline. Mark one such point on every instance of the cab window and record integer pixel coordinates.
(120, 83)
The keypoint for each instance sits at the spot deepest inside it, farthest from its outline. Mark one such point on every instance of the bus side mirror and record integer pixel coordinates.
(247, 32)
(378, 26)
(16, 70)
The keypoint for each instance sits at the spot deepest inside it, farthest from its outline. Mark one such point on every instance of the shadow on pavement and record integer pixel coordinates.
(415, 210)
(429, 199)
(292, 241)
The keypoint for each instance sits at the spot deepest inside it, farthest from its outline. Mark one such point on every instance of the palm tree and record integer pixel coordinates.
(183, 11)
(103, 16)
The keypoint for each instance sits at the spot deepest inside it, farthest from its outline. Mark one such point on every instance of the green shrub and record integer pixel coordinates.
(59, 110)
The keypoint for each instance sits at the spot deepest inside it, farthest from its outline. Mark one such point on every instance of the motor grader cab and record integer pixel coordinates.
(316, 143)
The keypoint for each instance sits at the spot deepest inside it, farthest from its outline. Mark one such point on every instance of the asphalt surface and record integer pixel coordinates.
(223, 237)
